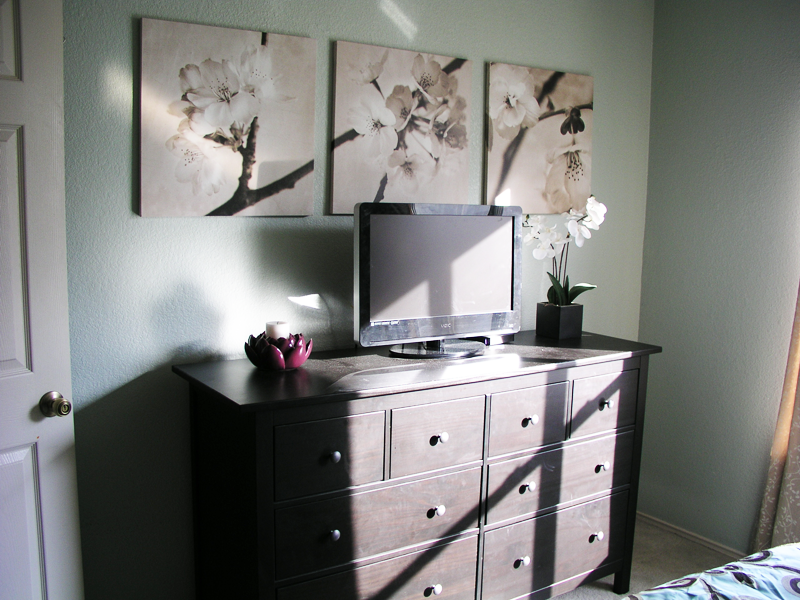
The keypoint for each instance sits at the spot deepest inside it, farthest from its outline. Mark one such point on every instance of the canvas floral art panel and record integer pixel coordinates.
(227, 121)
(539, 139)
(400, 127)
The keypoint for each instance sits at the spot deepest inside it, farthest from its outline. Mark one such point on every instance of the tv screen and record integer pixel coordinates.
(435, 272)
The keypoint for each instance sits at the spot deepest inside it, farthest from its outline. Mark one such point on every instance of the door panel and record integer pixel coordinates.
(14, 352)
(9, 41)
(21, 570)
(39, 535)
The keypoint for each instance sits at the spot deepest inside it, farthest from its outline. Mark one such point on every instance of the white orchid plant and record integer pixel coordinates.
(554, 245)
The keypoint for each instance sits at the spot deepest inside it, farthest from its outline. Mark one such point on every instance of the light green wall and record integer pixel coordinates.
(148, 293)
(721, 259)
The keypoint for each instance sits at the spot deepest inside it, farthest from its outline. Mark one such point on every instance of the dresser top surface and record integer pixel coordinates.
(343, 374)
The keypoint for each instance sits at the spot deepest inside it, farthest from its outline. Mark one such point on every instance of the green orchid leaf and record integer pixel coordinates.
(578, 289)
(560, 294)
(551, 295)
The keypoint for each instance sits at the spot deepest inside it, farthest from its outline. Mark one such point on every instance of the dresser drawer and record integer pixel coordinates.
(531, 483)
(438, 435)
(453, 567)
(326, 455)
(604, 402)
(528, 418)
(373, 522)
(555, 547)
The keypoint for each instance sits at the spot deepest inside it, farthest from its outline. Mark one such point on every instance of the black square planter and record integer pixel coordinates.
(559, 322)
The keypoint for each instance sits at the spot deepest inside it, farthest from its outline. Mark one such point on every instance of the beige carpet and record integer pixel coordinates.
(659, 555)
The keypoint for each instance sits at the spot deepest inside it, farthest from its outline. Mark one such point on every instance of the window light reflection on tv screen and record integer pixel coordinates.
(432, 268)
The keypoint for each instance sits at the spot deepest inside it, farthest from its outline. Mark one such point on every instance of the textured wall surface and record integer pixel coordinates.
(721, 260)
(149, 293)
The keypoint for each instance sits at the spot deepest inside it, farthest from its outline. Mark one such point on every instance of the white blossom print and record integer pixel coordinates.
(227, 121)
(539, 139)
(400, 127)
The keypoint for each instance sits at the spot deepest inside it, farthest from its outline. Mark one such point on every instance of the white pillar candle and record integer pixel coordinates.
(278, 329)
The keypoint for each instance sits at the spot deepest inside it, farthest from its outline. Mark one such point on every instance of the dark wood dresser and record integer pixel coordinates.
(509, 475)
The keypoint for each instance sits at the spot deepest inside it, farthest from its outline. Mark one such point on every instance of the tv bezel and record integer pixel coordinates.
(406, 331)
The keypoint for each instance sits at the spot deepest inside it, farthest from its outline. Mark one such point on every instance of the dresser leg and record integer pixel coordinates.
(622, 581)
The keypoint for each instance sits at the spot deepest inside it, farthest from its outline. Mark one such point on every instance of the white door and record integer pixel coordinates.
(39, 536)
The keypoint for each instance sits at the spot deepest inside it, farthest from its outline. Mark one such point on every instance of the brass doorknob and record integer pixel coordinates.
(53, 404)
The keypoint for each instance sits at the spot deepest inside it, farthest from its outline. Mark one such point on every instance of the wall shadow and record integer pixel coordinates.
(134, 483)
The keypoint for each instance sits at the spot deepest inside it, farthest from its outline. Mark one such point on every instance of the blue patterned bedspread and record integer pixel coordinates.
(769, 575)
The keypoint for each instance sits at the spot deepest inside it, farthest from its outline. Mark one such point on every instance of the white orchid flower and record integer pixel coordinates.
(535, 222)
(595, 213)
(578, 230)
(543, 250)
(550, 242)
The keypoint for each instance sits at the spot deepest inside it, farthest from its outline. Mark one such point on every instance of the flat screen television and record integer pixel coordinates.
(428, 277)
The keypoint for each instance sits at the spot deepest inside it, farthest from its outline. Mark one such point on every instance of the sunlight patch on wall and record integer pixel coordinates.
(309, 301)
(399, 18)
(118, 88)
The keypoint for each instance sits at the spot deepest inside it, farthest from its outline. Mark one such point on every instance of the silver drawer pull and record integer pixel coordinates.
(336, 535)
(336, 456)
(532, 420)
(606, 403)
(435, 589)
(523, 561)
(527, 487)
(599, 536)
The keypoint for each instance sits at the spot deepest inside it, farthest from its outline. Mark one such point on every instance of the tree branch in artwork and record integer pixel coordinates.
(221, 101)
(220, 104)
(244, 197)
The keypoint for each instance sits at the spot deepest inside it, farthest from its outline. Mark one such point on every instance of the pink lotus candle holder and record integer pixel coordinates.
(283, 354)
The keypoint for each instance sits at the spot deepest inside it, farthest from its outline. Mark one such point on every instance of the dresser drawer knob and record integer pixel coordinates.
(523, 561)
(336, 456)
(527, 487)
(604, 466)
(435, 590)
(606, 403)
(436, 511)
(599, 536)
(532, 420)
(443, 437)
(336, 535)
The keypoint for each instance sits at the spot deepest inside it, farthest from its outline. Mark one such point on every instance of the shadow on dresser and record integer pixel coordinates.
(542, 556)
